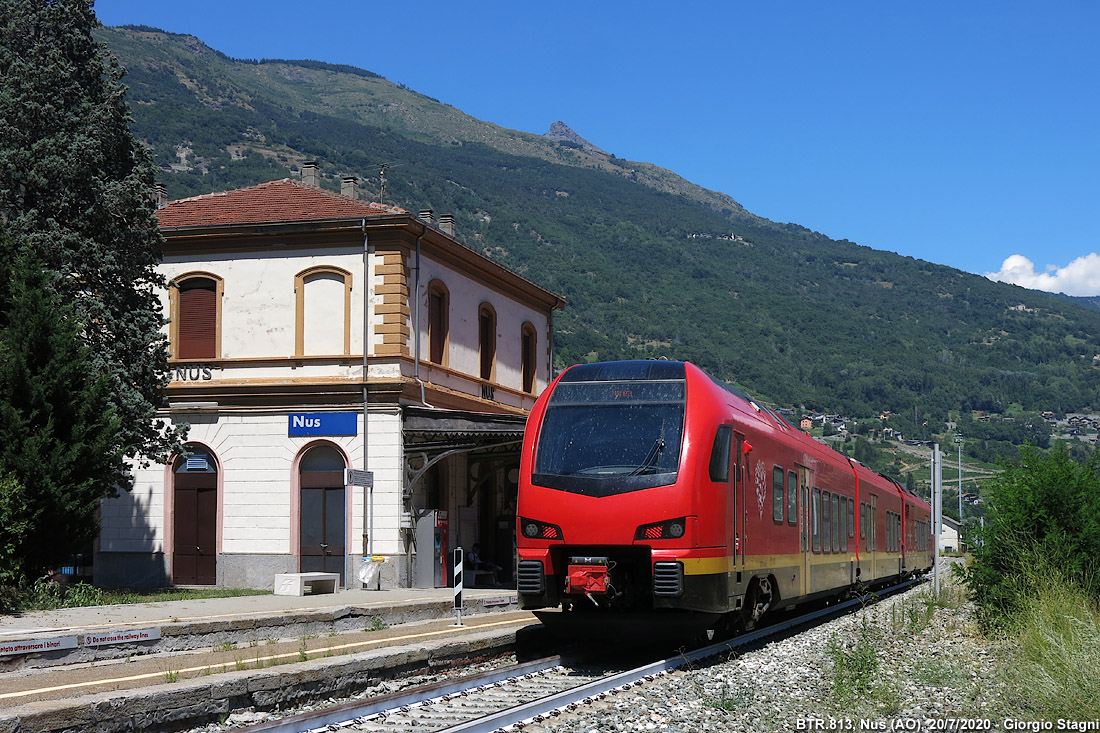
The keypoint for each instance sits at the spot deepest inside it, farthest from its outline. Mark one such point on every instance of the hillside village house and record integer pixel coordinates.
(274, 291)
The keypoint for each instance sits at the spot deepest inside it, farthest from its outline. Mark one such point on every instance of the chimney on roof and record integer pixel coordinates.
(447, 224)
(160, 195)
(427, 215)
(311, 174)
(349, 186)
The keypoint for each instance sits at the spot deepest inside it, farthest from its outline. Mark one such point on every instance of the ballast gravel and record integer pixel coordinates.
(903, 661)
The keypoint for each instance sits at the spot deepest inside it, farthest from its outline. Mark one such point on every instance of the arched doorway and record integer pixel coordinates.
(323, 531)
(195, 518)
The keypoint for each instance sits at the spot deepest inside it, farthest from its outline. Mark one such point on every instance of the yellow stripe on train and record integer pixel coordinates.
(731, 564)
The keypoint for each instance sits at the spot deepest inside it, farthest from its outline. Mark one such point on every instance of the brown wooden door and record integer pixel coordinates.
(194, 547)
(322, 522)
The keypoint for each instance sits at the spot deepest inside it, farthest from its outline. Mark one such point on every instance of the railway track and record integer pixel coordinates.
(510, 697)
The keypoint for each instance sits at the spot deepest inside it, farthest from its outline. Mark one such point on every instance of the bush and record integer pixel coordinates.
(44, 595)
(1045, 507)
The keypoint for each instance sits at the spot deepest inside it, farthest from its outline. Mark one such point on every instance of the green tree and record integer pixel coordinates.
(1042, 506)
(75, 186)
(60, 442)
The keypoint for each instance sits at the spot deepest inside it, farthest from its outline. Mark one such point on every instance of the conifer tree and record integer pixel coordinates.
(75, 186)
(60, 442)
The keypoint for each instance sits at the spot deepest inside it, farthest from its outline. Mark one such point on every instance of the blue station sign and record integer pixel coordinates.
(322, 423)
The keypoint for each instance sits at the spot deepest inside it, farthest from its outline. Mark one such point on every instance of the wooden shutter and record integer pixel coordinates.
(437, 325)
(198, 327)
(488, 343)
(528, 351)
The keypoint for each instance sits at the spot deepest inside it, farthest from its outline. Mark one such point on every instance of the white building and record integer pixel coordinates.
(274, 290)
(949, 535)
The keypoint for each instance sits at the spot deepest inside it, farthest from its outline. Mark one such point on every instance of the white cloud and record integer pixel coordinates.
(1080, 277)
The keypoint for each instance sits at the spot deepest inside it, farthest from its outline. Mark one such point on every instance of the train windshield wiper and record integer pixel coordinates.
(649, 463)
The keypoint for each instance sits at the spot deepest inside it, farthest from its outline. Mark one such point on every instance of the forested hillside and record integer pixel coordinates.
(651, 264)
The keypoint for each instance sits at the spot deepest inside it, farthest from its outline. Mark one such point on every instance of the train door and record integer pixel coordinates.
(905, 535)
(740, 515)
(804, 527)
(872, 537)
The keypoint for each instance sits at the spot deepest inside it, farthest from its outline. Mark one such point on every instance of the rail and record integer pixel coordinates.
(464, 690)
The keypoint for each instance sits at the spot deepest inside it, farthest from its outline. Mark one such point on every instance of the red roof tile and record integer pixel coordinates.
(277, 201)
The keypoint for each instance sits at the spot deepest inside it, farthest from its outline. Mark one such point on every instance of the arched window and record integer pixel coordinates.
(322, 323)
(439, 304)
(487, 339)
(529, 356)
(195, 331)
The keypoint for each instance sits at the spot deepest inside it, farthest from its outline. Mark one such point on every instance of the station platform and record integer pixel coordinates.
(62, 669)
(239, 607)
(245, 618)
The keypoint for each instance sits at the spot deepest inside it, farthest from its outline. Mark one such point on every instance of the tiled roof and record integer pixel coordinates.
(277, 201)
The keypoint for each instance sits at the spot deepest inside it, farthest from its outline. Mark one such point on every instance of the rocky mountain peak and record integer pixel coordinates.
(563, 133)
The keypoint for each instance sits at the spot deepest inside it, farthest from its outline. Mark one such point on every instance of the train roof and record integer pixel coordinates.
(655, 370)
(662, 369)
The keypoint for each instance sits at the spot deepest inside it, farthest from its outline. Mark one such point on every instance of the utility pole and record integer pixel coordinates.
(959, 443)
(937, 515)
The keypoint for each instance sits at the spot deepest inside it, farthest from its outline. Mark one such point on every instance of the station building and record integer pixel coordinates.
(293, 312)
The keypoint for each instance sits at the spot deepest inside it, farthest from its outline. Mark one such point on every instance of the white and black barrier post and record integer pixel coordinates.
(458, 585)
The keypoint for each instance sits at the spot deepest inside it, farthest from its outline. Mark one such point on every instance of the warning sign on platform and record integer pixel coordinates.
(32, 646)
(357, 477)
(121, 637)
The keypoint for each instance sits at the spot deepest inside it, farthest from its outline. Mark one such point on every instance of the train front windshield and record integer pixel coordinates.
(604, 437)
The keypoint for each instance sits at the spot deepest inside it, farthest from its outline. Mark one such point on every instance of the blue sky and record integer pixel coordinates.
(967, 134)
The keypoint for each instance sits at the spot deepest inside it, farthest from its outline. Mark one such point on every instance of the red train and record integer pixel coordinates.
(648, 487)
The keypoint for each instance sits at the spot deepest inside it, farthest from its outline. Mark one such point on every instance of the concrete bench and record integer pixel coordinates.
(295, 584)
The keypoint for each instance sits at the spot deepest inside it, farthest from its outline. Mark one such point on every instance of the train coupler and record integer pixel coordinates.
(587, 575)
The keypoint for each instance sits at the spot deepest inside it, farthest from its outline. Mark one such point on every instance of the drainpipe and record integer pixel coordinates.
(368, 492)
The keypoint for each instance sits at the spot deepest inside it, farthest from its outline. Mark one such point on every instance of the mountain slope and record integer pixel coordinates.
(652, 265)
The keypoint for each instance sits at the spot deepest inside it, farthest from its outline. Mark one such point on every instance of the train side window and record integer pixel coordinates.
(862, 520)
(777, 493)
(817, 519)
(844, 524)
(826, 522)
(720, 455)
(851, 517)
(836, 524)
(792, 497)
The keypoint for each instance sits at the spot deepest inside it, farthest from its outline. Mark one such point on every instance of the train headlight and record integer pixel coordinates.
(533, 529)
(670, 529)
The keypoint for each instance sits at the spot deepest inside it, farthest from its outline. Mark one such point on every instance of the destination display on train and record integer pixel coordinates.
(621, 391)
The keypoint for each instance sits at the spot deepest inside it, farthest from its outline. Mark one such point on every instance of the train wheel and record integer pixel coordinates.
(757, 601)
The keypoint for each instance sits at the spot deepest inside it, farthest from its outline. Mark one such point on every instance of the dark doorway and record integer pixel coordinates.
(321, 480)
(195, 520)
